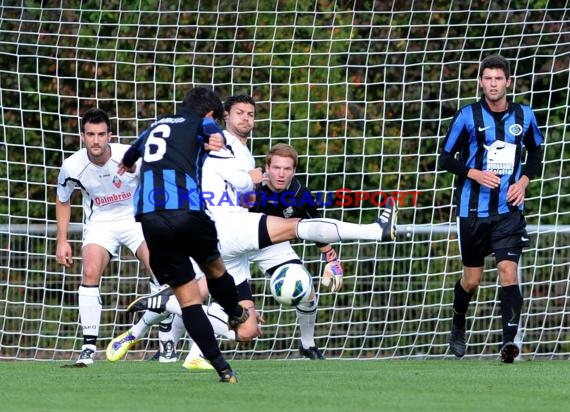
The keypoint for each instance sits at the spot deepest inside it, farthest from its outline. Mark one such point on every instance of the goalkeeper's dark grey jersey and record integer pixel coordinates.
(296, 201)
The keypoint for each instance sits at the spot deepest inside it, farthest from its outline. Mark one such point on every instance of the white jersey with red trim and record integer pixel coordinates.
(107, 196)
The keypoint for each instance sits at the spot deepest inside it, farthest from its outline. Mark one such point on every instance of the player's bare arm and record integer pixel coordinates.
(256, 175)
(63, 253)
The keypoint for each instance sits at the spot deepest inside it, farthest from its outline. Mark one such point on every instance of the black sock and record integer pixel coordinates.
(460, 304)
(89, 340)
(223, 290)
(200, 330)
(511, 306)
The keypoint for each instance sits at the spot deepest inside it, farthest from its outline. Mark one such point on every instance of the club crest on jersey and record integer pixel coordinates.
(288, 212)
(515, 129)
(117, 182)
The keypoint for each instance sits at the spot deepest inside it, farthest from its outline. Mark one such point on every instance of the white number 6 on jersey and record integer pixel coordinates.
(156, 139)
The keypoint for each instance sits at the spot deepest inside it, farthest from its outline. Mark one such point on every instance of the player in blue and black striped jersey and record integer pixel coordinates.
(169, 206)
(489, 137)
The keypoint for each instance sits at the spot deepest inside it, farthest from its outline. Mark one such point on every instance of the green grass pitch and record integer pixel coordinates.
(303, 385)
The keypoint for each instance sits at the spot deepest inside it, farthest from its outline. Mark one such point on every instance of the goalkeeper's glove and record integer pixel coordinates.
(332, 274)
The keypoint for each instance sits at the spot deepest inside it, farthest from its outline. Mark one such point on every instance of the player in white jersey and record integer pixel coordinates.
(228, 180)
(229, 177)
(108, 221)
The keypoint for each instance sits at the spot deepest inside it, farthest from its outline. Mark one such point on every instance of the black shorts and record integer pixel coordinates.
(244, 291)
(504, 235)
(172, 237)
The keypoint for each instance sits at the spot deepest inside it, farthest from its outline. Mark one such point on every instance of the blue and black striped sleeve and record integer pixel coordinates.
(456, 137)
(532, 141)
(135, 151)
(209, 127)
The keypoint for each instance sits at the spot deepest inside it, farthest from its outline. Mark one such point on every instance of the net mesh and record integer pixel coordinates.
(363, 90)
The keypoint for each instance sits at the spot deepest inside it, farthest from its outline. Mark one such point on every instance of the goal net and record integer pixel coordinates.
(364, 90)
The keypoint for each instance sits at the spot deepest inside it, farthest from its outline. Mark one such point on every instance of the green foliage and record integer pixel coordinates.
(364, 90)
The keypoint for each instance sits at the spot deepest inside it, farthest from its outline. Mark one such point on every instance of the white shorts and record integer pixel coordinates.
(111, 235)
(273, 256)
(197, 270)
(238, 234)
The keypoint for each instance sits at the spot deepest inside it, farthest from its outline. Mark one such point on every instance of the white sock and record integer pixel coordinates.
(178, 328)
(332, 230)
(165, 332)
(148, 319)
(173, 306)
(165, 318)
(194, 352)
(219, 320)
(90, 308)
(307, 317)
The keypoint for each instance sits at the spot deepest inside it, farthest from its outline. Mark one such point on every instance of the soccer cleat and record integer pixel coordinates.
(87, 355)
(312, 353)
(509, 352)
(227, 376)
(167, 352)
(235, 321)
(155, 302)
(387, 220)
(197, 363)
(457, 341)
(118, 347)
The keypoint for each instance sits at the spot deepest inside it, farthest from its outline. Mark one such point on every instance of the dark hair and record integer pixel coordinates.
(495, 61)
(95, 116)
(238, 98)
(282, 150)
(203, 100)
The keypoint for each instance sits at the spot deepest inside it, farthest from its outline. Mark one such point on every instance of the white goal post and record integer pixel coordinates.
(363, 90)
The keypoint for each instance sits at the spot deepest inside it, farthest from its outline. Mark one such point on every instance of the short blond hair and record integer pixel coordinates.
(282, 150)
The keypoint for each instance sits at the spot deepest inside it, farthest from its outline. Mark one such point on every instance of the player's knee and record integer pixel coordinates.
(470, 285)
(91, 275)
(471, 278)
(508, 279)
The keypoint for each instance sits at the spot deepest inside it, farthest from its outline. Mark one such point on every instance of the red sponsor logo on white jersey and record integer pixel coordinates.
(115, 197)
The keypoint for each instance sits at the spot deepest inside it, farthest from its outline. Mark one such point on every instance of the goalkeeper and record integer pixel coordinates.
(282, 194)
